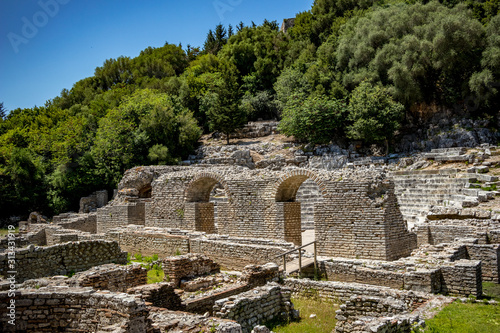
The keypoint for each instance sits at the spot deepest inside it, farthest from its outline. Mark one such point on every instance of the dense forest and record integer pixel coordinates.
(347, 69)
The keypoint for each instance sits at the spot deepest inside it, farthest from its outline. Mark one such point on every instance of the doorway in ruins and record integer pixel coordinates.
(296, 199)
(204, 199)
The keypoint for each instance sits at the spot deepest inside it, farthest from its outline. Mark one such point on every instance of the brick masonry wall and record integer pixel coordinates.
(34, 262)
(361, 220)
(73, 309)
(113, 216)
(112, 277)
(292, 222)
(490, 260)
(81, 222)
(149, 242)
(189, 265)
(260, 204)
(256, 306)
(462, 277)
(234, 255)
(160, 295)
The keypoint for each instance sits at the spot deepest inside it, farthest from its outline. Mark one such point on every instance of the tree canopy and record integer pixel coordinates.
(346, 70)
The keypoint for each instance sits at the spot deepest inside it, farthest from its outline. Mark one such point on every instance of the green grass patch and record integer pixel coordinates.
(491, 290)
(155, 274)
(324, 322)
(466, 318)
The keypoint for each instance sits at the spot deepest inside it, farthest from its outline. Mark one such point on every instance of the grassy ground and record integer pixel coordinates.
(324, 321)
(466, 318)
(155, 272)
(155, 275)
(469, 317)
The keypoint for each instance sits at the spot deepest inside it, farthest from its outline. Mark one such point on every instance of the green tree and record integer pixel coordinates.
(221, 102)
(3, 112)
(375, 116)
(486, 83)
(426, 53)
(316, 119)
(127, 134)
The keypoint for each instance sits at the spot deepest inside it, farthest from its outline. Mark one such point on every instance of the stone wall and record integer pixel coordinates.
(254, 307)
(112, 277)
(206, 304)
(186, 266)
(96, 200)
(81, 222)
(357, 315)
(176, 321)
(233, 253)
(160, 295)
(73, 309)
(354, 212)
(308, 195)
(34, 262)
(362, 220)
(119, 215)
(149, 241)
(489, 255)
(462, 278)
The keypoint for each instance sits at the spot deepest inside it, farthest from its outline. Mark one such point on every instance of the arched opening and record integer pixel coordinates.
(204, 196)
(296, 198)
(218, 198)
(146, 191)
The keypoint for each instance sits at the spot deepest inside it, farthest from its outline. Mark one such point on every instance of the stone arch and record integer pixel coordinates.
(285, 190)
(199, 188)
(200, 212)
(289, 211)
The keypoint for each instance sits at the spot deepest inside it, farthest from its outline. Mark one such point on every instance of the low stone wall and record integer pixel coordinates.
(255, 275)
(341, 292)
(361, 307)
(403, 274)
(186, 266)
(81, 222)
(160, 295)
(34, 262)
(119, 215)
(149, 242)
(174, 321)
(73, 309)
(232, 255)
(112, 277)
(490, 260)
(206, 304)
(462, 278)
(256, 306)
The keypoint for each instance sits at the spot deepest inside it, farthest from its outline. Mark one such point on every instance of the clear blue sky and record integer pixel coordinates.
(48, 45)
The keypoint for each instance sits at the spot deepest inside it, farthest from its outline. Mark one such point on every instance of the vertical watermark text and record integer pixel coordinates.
(224, 6)
(30, 26)
(11, 274)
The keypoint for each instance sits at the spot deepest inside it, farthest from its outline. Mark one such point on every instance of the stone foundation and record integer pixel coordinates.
(73, 309)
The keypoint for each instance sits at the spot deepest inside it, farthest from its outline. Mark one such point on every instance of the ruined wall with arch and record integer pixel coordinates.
(358, 217)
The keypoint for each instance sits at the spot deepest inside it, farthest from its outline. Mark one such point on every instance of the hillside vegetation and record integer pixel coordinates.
(348, 69)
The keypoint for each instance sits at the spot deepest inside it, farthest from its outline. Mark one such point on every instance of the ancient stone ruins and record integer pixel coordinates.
(391, 243)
